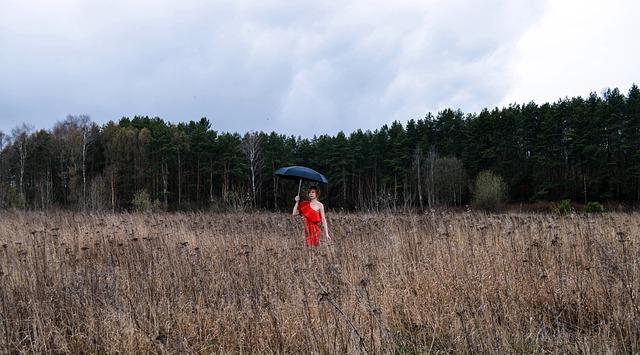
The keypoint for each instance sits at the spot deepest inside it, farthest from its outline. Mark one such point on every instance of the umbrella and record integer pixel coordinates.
(301, 173)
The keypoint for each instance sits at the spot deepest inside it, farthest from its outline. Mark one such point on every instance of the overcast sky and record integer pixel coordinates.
(303, 67)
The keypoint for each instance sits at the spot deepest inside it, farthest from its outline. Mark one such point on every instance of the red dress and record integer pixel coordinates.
(312, 222)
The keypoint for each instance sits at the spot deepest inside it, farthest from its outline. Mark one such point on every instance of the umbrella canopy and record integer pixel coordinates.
(301, 172)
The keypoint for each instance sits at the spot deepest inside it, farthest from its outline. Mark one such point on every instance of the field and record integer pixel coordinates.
(244, 283)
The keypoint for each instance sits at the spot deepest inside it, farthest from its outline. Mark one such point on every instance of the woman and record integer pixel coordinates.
(313, 213)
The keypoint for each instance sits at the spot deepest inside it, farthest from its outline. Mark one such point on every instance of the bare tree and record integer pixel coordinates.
(431, 181)
(450, 179)
(143, 154)
(164, 167)
(252, 149)
(84, 123)
(417, 160)
(112, 173)
(96, 198)
(75, 134)
(113, 142)
(4, 140)
(181, 141)
(85, 130)
(20, 140)
(446, 180)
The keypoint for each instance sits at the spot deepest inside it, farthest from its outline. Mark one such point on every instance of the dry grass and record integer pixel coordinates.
(244, 283)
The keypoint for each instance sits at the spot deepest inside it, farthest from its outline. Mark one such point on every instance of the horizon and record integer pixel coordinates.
(404, 123)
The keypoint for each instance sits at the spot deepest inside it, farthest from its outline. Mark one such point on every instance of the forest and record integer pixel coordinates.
(583, 149)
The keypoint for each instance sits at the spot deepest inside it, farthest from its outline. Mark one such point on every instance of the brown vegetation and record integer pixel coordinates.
(390, 284)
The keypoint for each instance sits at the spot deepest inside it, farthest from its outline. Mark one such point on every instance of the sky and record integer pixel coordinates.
(305, 68)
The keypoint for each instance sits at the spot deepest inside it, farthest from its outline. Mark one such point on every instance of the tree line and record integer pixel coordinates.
(584, 149)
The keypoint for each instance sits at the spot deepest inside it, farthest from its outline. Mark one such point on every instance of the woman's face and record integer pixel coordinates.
(312, 194)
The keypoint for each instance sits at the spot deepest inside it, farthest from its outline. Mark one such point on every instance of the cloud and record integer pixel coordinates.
(577, 47)
(291, 66)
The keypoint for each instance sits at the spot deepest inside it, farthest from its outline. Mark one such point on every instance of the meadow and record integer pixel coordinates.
(390, 283)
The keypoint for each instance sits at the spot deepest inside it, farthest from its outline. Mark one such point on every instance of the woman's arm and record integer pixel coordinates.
(324, 223)
(295, 207)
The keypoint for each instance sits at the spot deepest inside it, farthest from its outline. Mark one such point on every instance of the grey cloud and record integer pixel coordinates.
(291, 66)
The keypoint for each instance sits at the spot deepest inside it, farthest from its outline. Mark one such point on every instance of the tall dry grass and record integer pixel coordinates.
(244, 283)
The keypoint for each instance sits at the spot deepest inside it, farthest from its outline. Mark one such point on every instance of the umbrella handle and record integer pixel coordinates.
(299, 186)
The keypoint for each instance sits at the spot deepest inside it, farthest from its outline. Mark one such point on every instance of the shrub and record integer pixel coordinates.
(141, 201)
(562, 207)
(594, 207)
(489, 191)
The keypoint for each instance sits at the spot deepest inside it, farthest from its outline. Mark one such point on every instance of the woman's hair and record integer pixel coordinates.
(316, 189)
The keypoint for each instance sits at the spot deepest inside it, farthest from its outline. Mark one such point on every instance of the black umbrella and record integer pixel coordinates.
(301, 173)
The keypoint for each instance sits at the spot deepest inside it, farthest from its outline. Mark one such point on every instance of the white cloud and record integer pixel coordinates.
(578, 47)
